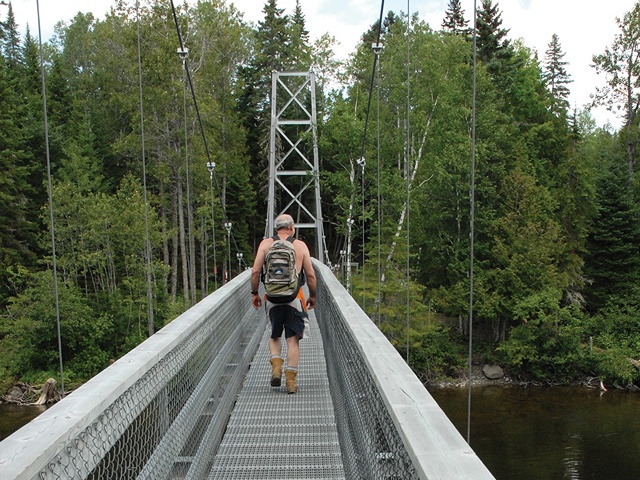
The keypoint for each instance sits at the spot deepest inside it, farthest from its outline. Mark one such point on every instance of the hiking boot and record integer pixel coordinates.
(276, 371)
(291, 380)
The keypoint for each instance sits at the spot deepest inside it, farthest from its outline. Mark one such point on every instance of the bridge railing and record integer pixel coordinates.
(161, 410)
(148, 414)
(389, 426)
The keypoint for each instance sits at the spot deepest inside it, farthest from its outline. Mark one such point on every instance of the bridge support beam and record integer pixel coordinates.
(294, 183)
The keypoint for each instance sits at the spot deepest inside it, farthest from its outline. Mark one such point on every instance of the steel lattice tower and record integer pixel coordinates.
(294, 183)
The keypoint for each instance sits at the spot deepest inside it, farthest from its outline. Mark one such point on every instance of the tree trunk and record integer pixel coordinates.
(165, 239)
(174, 249)
(183, 245)
(204, 283)
(403, 214)
(192, 250)
(48, 392)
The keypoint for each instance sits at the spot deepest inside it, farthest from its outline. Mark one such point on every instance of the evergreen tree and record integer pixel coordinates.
(492, 44)
(300, 47)
(272, 51)
(556, 76)
(454, 21)
(613, 261)
(17, 230)
(11, 46)
(274, 41)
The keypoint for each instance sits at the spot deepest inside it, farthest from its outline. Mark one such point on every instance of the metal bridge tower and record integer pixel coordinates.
(294, 183)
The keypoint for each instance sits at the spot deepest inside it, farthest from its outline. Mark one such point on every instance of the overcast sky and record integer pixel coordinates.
(585, 27)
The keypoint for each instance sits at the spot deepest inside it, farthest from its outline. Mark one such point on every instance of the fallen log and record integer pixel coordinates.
(48, 393)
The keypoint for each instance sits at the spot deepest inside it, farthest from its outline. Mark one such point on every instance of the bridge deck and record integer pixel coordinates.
(275, 435)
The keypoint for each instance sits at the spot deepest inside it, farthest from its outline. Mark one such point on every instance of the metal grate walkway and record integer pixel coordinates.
(273, 435)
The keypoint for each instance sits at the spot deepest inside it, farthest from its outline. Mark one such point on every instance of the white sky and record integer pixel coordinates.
(585, 27)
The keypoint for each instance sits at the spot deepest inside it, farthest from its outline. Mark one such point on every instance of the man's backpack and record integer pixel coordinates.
(280, 278)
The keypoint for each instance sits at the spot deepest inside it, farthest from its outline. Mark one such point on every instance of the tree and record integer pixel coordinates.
(454, 21)
(556, 77)
(11, 47)
(620, 63)
(18, 223)
(300, 46)
(492, 43)
(613, 261)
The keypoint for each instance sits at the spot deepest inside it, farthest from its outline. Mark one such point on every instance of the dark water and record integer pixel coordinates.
(550, 433)
(12, 417)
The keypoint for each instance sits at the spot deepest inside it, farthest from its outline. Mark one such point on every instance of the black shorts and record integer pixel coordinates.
(288, 319)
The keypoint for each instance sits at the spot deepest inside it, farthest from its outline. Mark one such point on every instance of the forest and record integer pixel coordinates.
(114, 188)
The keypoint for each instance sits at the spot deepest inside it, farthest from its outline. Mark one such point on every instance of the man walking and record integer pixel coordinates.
(288, 317)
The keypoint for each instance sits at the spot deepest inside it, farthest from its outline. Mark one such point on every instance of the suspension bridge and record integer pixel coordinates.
(194, 401)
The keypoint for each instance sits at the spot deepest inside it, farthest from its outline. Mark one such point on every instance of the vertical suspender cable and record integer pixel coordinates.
(361, 160)
(472, 220)
(363, 238)
(190, 248)
(204, 137)
(379, 209)
(407, 160)
(50, 189)
(144, 185)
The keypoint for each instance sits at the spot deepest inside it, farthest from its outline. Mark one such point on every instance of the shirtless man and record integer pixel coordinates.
(288, 317)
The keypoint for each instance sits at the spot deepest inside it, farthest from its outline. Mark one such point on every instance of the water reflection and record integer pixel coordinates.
(13, 417)
(550, 433)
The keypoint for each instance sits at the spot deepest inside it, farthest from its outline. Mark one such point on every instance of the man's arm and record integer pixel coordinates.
(311, 279)
(256, 272)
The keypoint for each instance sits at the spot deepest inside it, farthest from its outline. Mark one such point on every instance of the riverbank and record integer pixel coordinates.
(480, 379)
(25, 394)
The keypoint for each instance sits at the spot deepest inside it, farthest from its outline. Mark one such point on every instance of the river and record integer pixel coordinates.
(12, 417)
(550, 433)
(522, 433)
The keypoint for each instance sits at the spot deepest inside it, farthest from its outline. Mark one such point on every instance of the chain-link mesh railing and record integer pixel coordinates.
(389, 426)
(371, 446)
(159, 412)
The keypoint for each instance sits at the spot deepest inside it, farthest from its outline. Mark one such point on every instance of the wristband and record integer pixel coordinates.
(254, 292)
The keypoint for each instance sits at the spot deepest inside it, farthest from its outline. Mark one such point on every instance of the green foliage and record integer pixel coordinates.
(613, 336)
(548, 348)
(30, 331)
(435, 353)
(555, 208)
(614, 242)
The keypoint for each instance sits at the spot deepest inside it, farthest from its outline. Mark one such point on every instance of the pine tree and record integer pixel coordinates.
(556, 76)
(17, 229)
(491, 42)
(274, 39)
(454, 21)
(300, 48)
(613, 262)
(11, 47)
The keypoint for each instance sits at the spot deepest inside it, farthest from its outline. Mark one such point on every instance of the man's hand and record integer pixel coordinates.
(311, 302)
(256, 301)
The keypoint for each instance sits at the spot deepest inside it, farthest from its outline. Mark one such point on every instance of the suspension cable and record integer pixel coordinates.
(379, 209)
(50, 191)
(361, 159)
(148, 252)
(407, 161)
(204, 138)
(472, 218)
